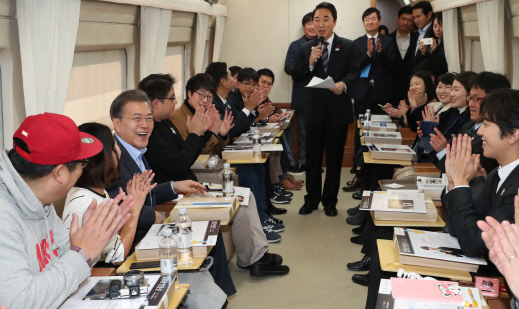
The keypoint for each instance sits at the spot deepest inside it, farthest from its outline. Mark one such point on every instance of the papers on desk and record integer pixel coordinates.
(391, 152)
(317, 82)
(241, 193)
(204, 233)
(383, 137)
(432, 187)
(272, 147)
(394, 201)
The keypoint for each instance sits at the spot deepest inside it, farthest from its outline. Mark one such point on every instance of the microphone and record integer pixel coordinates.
(320, 43)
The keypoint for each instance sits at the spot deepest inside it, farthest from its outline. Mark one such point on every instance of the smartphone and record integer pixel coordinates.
(427, 41)
(140, 265)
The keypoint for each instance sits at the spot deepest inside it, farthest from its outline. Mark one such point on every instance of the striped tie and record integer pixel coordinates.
(325, 56)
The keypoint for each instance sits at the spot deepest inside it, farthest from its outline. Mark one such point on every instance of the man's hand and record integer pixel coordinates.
(264, 111)
(275, 118)
(338, 88)
(197, 123)
(226, 124)
(139, 187)
(462, 164)
(391, 111)
(438, 141)
(253, 101)
(370, 47)
(187, 186)
(99, 224)
(214, 115)
(315, 54)
(378, 48)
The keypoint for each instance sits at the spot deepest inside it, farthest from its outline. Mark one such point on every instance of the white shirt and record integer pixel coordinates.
(422, 34)
(442, 153)
(505, 171)
(403, 43)
(329, 47)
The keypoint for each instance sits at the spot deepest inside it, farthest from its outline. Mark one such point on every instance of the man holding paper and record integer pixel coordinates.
(329, 110)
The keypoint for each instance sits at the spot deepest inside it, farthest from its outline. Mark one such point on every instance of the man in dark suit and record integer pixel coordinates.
(299, 91)
(328, 111)
(405, 47)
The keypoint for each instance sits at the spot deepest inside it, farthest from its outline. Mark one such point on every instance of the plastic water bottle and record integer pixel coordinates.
(168, 253)
(367, 115)
(256, 146)
(185, 239)
(253, 126)
(227, 180)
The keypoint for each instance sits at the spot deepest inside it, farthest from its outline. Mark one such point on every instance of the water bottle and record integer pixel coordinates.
(253, 126)
(185, 238)
(256, 146)
(227, 181)
(168, 253)
(367, 115)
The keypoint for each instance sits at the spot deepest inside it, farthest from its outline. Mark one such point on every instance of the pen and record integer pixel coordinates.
(474, 302)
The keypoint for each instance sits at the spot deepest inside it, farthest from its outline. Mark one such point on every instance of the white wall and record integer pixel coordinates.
(389, 13)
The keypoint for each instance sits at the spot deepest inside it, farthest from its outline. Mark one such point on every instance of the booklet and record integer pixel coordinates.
(427, 290)
(390, 152)
(383, 137)
(394, 200)
(204, 233)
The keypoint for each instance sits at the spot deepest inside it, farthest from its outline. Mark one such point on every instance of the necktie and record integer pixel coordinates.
(495, 182)
(325, 57)
(374, 53)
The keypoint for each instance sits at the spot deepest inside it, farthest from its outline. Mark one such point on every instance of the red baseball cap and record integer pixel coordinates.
(54, 139)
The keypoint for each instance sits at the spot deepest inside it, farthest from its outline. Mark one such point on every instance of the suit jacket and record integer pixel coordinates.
(298, 88)
(404, 67)
(434, 62)
(241, 121)
(169, 155)
(159, 195)
(213, 146)
(381, 71)
(322, 104)
(462, 212)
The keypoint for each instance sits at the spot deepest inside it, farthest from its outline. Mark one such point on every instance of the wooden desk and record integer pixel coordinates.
(362, 141)
(102, 272)
(408, 136)
(179, 295)
(367, 159)
(438, 223)
(280, 133)
(133, 259)
(241, 161)
(389, 262)
(358, 124)
(222, 223)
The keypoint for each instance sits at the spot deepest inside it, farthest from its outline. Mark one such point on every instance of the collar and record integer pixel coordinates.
(478, 125)
(504, 171)
(223, 100)
(422, 31)
(330, 40)
(444, 107)
(135, 153)
(406, 37)
(189, 107)
(375, 36)
(462, 109)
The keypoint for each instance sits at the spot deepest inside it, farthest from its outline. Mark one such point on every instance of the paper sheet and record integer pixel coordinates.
(317, 82)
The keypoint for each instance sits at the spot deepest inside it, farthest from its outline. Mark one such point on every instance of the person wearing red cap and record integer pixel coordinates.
(41, 263)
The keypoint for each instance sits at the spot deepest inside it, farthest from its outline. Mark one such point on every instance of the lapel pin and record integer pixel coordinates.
(173, 130)
(337, 48)
(503, 192)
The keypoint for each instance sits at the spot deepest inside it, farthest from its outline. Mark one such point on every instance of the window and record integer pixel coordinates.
(174, 64)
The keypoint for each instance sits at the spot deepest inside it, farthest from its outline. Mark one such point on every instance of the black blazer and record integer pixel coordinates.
(159, 195)
(463, 210)
(404, 67)
(169, 156)
(298, 88)
(322, 104)
(434, 62)
(241, 121)
(381, 71)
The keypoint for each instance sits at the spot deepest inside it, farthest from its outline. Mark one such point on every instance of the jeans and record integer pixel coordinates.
(253, 176)
(287, 142)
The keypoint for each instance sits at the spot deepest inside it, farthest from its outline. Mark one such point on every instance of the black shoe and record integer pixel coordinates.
(297, 170)
(276, 220)
(357, 195)
(357, 230)
(361, 279)
(361, 265)
(273, 210)
(278, 199)
(279, 191)
(354, 211)
(330, 211)
(356, 240)
(322, 170)
(359, 219)
(307, 209)
(353, 170)
(268, 266)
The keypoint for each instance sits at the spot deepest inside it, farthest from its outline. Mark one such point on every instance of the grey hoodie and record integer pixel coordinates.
(37, 267)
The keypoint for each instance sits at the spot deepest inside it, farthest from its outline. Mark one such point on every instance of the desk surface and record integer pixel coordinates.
(438, 223)
(241, 161)
(367, 159)
(133, 259)
(389, 262)
(178, 296)
(280, 133)
(408, 184)
(237, 205)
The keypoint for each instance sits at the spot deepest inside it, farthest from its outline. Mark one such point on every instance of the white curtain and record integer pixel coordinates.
(47, 31)
(491, 24)
(202, 22)
(218, 37)
(155, 25)
(451, 39)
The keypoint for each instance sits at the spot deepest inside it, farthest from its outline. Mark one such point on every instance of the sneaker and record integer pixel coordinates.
(276, 220)
(280, 200)
(297, 170)
(270, 234)
(279, 191)
(275, 226)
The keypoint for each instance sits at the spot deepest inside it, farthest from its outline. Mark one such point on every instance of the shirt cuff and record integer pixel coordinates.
(173, 189)
(246, 111)
(345, 87)
(441, 154)
(462, 186)
(83, 254)
(312, 68)
(254, 112)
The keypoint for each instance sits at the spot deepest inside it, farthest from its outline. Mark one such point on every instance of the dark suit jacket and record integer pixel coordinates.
(170, 156)
(462, 210)
(322, 104)
(404, 67)
(381, 71)
(298, 88)
(434, 62)
(241, 121)
(159, 195)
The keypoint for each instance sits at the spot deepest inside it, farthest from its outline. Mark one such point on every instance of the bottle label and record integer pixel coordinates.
(168, 266)
(228, 186)
(184, 241)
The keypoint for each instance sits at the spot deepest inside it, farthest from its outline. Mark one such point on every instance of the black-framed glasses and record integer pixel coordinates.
(202, 96)
(138, 120)
(251, 85)
(173, 98)
(475, 99)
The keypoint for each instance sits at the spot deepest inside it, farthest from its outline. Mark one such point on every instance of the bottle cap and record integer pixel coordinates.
(167, 232)
(226, 165)
(182, 211)
(368, 110)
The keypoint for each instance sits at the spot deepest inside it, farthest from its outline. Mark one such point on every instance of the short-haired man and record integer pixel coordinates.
(422, 17)
(42, 263)
(234, 73)
(298, 92)
(328, 111)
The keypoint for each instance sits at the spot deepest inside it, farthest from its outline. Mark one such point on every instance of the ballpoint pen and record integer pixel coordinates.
(474, 302)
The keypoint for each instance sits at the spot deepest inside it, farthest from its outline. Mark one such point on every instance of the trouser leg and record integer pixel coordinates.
(335, 139)
(301, 137)
(315, 143)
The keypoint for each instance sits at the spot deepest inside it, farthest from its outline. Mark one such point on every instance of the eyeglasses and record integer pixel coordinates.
(83, 163)
(474, 99)
(138, 120)
(202, 96)
(251, 85)
(173, 98)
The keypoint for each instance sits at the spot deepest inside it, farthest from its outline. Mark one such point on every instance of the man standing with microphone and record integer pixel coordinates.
(328, 111)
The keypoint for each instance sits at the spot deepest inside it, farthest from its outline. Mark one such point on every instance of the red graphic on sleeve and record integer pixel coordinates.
(43, 252)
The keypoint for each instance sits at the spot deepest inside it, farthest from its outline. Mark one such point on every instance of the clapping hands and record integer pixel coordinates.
(416, 98)
(428, 114)
(461, 165)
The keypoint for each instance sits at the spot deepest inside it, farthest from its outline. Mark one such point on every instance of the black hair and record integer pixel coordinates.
(308, 17)
(217, 70)
(425, 6)
(29, 170)
(157, 85)
(369, 12)
(446, 79)
(234, 70)
(117, 107)
(405, 10)
(427, 78)
(248, 73)
(328, 6)
(501, 107)
(489, 81)
(266, 72)
(101, 170)
(430, 32)
(201, 81)
(465, 78)
(382, 27)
